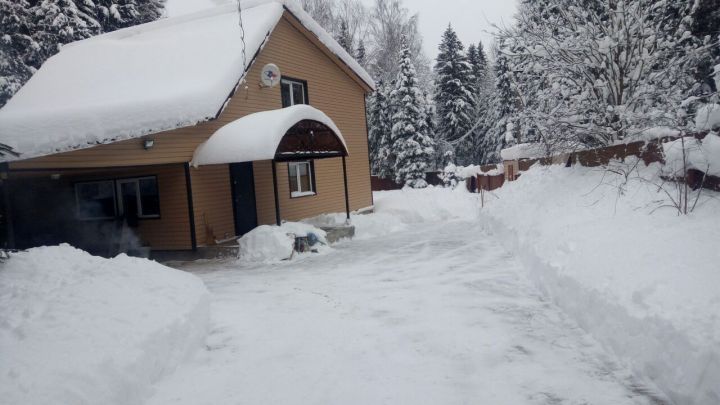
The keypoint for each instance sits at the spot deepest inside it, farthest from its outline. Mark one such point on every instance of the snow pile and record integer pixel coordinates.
(427, 205)
(702, 155)
(523, 151)
(271, 243)
(708, 117)
(78, 329)
(257, 136)
(640, 278)
(653, 133)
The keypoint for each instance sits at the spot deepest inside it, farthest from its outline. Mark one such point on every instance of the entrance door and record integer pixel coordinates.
(243, 194)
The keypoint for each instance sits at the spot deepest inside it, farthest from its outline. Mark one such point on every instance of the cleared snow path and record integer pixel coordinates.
(438, 314)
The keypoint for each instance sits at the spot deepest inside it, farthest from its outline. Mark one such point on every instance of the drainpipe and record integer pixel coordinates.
(275, 190)
(347, 198)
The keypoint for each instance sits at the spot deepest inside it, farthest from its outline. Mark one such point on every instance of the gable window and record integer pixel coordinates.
(138, 198)
(95, 200)
(302, 181)
(293, 92)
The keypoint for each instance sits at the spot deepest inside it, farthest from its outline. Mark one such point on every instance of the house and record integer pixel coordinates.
(168, 130)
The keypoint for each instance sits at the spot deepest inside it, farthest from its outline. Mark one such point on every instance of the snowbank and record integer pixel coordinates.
(271, 243)
(702, 155)
(78, 329)
(396, 210)
(645, 284)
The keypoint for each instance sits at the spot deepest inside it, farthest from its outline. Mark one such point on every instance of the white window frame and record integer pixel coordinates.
(292, 93)
(300, 192)
(78, 214)
(118, 195)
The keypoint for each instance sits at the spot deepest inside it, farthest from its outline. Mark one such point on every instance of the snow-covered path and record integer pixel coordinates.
(434, 315)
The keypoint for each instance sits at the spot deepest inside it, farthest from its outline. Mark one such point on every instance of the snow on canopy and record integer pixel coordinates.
(150, 78)
(257, 136)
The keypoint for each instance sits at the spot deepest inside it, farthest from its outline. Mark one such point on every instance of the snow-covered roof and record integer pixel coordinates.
(257, 136)
(145, 79)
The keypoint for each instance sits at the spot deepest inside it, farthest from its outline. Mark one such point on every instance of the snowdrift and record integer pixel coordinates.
(79, 329)
(641, 279)
(271, 243)
(396, 210)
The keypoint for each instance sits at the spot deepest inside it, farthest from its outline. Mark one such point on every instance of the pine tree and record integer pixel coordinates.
(345, 39)
(58, 22)
(361, 53)
(380, 133)
(411, 142)
(454, 98)
(16, 43)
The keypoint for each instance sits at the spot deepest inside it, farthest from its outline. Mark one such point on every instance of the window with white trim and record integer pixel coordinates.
(301, 179)
(293, 92)
(139, 197)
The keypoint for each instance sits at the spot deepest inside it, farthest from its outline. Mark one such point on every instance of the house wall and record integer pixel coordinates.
(330, 89)
(212, 204)
(33, 192)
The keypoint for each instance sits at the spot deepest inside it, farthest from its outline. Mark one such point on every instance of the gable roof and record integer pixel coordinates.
(150, 78)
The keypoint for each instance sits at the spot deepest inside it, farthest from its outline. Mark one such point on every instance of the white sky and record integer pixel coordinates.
(471, 19)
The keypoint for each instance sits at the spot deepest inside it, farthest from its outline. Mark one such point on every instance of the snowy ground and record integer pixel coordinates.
(434, 312)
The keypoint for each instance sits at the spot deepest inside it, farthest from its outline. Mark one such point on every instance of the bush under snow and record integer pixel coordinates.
(79, 329)
(644, 283)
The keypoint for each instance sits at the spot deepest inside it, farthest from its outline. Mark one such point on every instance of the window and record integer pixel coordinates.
(138, 198)
(95, 200)
(302, 182)
(293, 92)
(134, 198)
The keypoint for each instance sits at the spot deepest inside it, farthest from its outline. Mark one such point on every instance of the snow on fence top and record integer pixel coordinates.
(257, 136)
(145, 79)
(523, 151)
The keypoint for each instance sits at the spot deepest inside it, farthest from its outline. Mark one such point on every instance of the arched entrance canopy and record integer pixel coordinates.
(299, 132)
(294, 133)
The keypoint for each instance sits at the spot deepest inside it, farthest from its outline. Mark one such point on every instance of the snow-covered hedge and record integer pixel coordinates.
(79, 329)
(644, 283)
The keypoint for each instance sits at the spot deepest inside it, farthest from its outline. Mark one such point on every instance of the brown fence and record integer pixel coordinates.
(380, 184)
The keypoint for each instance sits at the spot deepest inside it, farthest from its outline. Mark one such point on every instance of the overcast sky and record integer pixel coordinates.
(471, 19)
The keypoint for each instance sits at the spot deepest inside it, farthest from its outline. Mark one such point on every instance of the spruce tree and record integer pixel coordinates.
(379, 133)
(413, 146)
(361, 53)
(345, 39)
(454, 98)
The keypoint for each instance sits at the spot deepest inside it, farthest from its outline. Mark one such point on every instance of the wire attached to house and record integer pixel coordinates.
(242, 34)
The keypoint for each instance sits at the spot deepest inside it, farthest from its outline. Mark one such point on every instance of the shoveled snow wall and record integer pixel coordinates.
(643, 280)
(79, 329)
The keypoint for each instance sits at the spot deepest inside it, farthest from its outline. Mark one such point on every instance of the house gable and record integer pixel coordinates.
(333, 88)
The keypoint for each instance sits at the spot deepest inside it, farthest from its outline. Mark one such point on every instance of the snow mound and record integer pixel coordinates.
(367, 226)
(702, 155)
(79, 329)
(638, 277)
(427, 205)
(271, 243)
